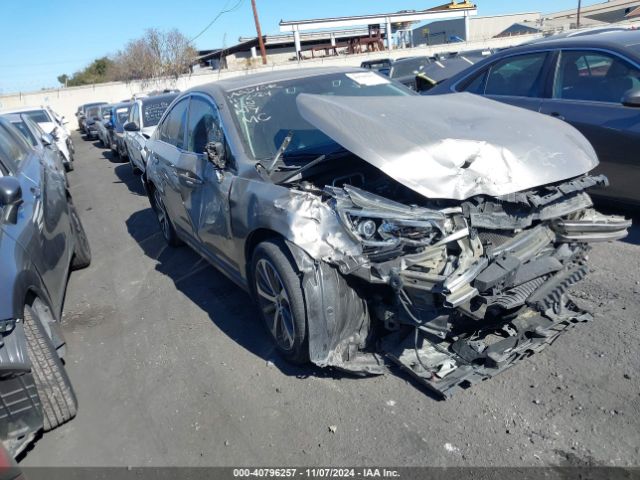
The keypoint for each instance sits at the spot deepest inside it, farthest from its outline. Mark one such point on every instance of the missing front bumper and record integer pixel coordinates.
(446, 367)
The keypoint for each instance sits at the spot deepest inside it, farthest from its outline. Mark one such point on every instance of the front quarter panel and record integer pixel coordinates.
(300, 217)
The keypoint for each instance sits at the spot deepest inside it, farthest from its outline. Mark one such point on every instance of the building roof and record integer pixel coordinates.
(518, 29)
(451, 9)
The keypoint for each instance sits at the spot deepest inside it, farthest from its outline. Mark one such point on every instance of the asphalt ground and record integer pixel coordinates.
(171, 366)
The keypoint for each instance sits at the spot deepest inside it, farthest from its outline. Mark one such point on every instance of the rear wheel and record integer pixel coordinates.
(278, 292)
(54, 388)
(81, 249)
(134, 169)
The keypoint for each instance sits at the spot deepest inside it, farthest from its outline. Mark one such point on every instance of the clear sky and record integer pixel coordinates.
(45, 38)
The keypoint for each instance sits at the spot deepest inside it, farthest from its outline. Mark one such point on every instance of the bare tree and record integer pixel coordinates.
(156, 55)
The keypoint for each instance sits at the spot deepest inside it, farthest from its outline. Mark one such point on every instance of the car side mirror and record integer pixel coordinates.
(131, 127)
(631, 98)
(109, 125)
(216, 154)
(10, 198)
(46, 139)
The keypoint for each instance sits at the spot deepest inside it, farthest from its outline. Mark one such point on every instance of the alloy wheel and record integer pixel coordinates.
(274, 303)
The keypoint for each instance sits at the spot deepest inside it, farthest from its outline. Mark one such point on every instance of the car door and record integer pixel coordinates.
(129, 136)
(137, 139)
(204, 187)
(164, 155)
(42, 226)
(588, 87)
(517, 80)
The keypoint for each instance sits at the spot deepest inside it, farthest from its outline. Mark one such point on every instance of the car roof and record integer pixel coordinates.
(252, 80)
(121, 105)
(12, 117)
(21, 109)
(603, 39)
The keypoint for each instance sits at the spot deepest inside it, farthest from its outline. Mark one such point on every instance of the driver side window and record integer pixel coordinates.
(204, 125)
(172, 128)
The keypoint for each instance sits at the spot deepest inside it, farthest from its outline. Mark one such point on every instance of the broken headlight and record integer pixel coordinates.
(373, 231)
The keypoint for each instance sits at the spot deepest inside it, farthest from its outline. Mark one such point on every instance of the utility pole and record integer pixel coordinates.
(578, 15)
(263, 52)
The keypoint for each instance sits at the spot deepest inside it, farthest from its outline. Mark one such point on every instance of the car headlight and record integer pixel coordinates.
(390, 232)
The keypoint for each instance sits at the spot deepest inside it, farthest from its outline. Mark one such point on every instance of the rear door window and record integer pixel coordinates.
(593, 76)
(13, 149)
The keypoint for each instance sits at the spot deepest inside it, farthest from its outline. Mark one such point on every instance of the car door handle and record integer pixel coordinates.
(557, 115)
(188, 178)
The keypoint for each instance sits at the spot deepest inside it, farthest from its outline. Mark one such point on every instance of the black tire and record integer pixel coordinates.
(59, 403)
(81, 249)
(166, 226)
(284, 314)
(69, 167)
(134, 169)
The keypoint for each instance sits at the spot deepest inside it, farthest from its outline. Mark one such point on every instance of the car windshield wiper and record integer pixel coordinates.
(313, 163)
(285, 144)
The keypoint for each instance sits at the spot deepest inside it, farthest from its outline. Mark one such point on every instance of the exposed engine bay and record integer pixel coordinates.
(457, 291)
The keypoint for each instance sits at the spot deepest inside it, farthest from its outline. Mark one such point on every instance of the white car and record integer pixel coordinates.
(54, 125)
(144, 116)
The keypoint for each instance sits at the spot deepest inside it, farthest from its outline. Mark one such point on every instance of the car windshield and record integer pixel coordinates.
(264, 114)
(39, 116)
(93, 112)
(105, 111)
(152, 110)
(24, 130)
(407, 68)
(122, 115)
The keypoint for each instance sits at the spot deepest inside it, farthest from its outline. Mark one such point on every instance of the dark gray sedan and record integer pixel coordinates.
(591, 81)
(41, 239)
(369, 233)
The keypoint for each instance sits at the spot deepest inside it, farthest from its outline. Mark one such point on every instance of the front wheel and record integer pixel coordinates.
(54, 388)
(278, 292)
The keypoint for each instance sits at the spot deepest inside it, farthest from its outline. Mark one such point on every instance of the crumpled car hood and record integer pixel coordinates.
(452, 146)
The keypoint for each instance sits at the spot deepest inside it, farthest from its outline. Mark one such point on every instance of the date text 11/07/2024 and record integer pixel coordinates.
(317, 472)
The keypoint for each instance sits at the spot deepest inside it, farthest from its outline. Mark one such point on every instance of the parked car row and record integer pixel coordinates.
(41, 240)
(126, 126)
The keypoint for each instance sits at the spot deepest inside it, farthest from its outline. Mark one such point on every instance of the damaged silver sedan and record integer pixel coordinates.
(375, 227)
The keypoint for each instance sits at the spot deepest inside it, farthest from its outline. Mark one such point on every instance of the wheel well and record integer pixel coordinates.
(253, 240)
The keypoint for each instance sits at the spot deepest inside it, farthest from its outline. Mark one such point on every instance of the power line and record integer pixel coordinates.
(222, 12)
